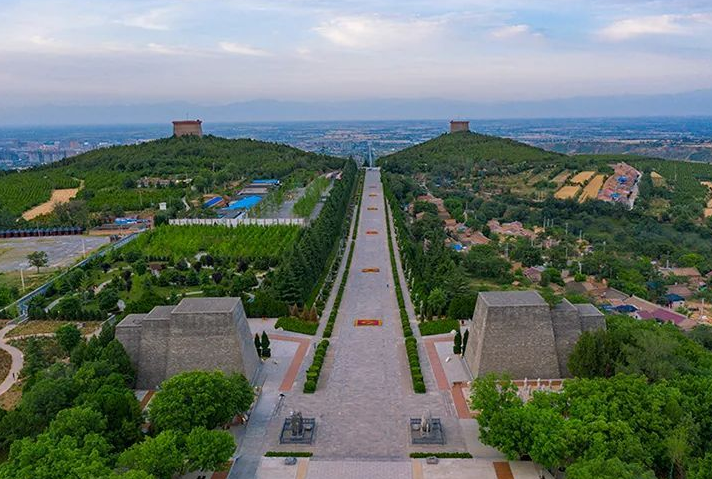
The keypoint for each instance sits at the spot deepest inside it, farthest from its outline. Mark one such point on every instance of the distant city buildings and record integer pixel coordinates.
(188, 128)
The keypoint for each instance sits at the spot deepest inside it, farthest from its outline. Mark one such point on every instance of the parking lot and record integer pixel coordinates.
(61, 250)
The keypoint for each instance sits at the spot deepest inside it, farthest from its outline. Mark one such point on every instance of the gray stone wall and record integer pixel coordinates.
(516, 339)
(198, 334)
(210, 341)
(567, 329)
(517, 333)
(591, 318)
(153, 353)
(128, 332)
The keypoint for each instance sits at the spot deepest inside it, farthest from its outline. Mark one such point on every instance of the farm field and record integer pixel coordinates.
(591, 190)
(561, 178)
(582, 177)
(248, 241)
(62, 251)
(567, 192)
(58, 197)
(22, 191)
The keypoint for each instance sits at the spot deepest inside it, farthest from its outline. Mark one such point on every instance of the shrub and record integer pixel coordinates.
(310, 386)
(288, 454)
(297, 325)
(441, 455)
(438, 326)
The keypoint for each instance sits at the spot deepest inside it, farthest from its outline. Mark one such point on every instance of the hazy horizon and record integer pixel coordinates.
(689, 104)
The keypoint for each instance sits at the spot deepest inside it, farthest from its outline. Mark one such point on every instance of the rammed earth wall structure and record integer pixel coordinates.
(519, 334)
(197, 334)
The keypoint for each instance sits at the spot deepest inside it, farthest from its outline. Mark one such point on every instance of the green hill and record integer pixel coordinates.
(459, 152)
(111, 175)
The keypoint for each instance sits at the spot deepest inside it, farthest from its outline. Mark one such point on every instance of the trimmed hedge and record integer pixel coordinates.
(288, 454)
(438, 326)
(411, 344)
(441, 455)
(297, 325)
(315, 369)
(320, 353)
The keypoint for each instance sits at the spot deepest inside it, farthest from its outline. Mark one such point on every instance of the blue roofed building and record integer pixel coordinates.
(212, 202)
(244, 204)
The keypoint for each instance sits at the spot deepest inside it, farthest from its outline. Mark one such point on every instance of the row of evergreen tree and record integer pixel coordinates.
(300, 272)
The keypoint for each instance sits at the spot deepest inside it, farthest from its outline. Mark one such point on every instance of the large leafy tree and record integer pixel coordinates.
(68, 337)
(208, 450)
(159, 456)
(199, 398)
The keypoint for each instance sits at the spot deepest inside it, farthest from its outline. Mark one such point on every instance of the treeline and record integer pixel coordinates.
(438, 282)
(299, 273)
(641, 408)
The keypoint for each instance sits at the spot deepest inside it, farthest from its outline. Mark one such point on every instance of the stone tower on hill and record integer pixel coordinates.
(518, 333)
(458, 125)
(197, 334)
(188, 128)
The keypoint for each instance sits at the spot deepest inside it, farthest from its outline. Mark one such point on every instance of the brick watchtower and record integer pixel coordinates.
(188, 127)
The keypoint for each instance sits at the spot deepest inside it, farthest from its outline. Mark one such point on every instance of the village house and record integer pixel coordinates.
(515, 228)
(534, 273)
(693, 275)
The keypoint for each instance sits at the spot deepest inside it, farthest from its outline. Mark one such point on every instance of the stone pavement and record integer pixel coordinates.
(365, 397)
(274, 468)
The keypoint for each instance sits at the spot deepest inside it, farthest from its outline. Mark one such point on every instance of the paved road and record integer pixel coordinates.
(365, 395)
(17, 360)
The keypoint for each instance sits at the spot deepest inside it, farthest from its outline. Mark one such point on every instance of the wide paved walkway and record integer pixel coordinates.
(365, 395)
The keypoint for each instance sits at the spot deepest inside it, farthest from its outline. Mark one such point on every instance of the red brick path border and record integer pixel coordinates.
(438, 371)
(502, 470)
(458, 397)
(291, 374)
(146, 399)
(222, 474)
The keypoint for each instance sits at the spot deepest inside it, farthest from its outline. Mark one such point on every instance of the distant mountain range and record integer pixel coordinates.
(696, 103)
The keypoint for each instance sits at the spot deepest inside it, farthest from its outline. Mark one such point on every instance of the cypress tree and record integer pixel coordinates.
(457, 345)
(464, 341)
(265, 345)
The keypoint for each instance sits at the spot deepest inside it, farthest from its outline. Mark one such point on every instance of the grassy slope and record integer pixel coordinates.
(106, 170)
(464, 149)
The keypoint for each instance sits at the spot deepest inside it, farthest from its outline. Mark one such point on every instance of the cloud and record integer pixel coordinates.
(630, 28)
(375, 31)
(514, 31)
(241, 49)
(162, 49)
(151, 20)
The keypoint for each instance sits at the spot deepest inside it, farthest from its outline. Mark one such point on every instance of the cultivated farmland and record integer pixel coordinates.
(592, 188)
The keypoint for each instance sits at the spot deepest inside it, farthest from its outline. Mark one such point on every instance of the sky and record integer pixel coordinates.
(99, 52)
